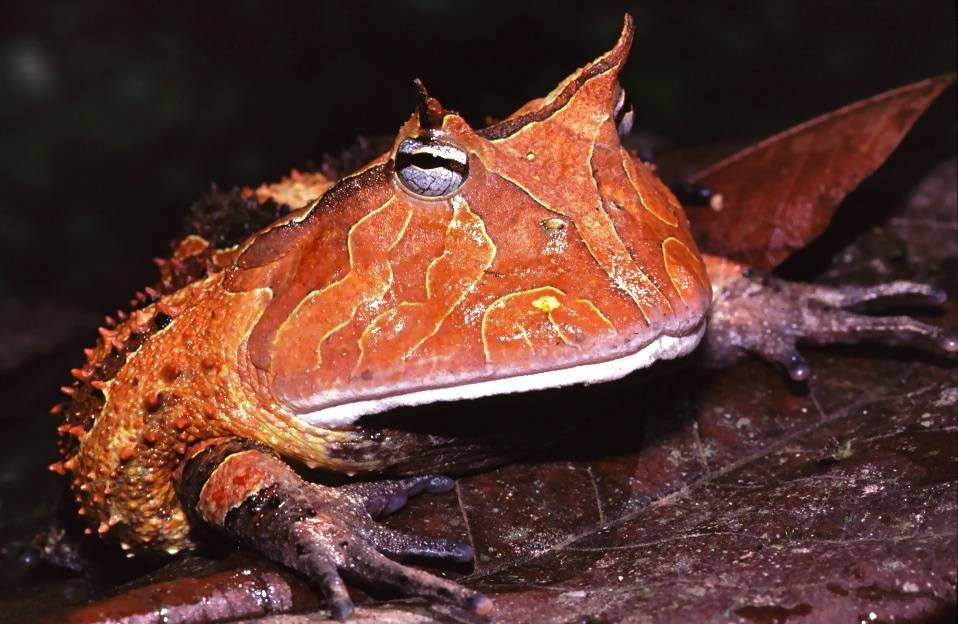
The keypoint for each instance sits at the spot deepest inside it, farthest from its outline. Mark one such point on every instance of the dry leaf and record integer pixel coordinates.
(778, 195)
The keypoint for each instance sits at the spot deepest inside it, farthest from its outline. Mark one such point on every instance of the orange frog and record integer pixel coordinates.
(536, 252)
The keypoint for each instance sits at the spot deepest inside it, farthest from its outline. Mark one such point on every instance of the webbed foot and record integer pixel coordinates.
(329, 534)
(758, 314)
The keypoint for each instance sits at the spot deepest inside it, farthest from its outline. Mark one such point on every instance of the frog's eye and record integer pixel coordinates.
(429, 168)
(622, 113)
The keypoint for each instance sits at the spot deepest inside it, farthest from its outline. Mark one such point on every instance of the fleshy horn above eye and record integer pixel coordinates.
(622, 113)
(430, 168)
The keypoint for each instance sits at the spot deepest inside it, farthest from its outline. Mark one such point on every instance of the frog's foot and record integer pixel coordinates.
(240, 488)
(755, 313)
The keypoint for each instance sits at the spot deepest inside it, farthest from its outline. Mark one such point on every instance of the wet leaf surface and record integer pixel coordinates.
(835, 513)
(779, 195)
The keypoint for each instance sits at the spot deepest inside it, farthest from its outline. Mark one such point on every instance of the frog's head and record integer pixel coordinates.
(532, 253)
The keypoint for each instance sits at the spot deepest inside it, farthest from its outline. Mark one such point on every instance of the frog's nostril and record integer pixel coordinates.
(552, 226)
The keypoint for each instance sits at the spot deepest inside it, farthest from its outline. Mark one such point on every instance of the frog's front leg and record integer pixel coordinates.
(756, 313)
(240, 488)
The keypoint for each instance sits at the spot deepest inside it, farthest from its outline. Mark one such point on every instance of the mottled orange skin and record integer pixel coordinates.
(123, 471)
(560, 249)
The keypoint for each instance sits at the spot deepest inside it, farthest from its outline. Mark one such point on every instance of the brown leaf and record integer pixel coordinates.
(778, 195)
(829, 505)
(747, 500)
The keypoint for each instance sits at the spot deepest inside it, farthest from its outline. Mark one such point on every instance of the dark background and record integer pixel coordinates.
(115, 116)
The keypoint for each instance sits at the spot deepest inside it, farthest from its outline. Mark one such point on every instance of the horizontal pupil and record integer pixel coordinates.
(427, 161)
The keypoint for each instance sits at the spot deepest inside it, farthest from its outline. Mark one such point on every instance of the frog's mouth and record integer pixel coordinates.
(662, 348)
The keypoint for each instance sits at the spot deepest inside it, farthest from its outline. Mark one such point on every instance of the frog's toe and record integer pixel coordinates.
(369, 566)
(784, 354)
(323, 572)
(766, 316)
(329, 534)
(827, 315)
(875, 297)
(405, 546)
(385, 497)
(382, 498)
(328, 550)
(837, 326)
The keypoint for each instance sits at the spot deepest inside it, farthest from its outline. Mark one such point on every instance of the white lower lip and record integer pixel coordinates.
(662, 348)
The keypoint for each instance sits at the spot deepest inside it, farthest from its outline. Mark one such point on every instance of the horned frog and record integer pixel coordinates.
(534, 253)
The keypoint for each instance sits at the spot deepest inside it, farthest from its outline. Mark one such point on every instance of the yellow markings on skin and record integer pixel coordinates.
(686, 272)
(598, 232)
(567, 140)
(652, 199)
(619, 263)
(597, 312)
(526, 323)
(546, 304)
(581, 202)
(524, 335)
(397, 333)
(324, 312)
(301, 213)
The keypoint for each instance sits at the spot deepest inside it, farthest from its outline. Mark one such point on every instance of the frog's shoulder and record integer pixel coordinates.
(226, 218)
(215, 224)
